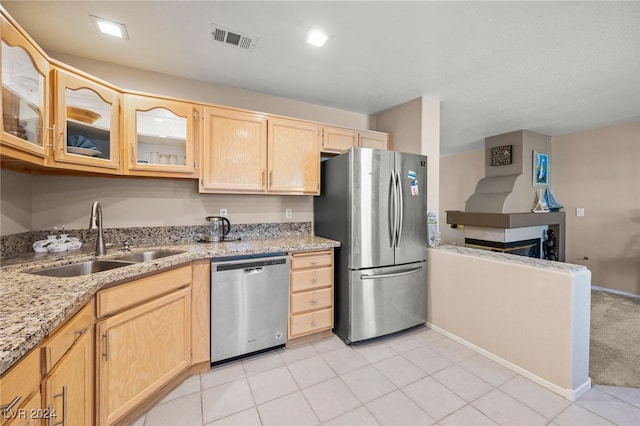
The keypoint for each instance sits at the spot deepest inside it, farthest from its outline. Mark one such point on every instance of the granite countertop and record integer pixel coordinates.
(504, 257)
(34, 305)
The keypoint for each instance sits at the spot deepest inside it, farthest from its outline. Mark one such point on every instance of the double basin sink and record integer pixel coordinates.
(99, 265)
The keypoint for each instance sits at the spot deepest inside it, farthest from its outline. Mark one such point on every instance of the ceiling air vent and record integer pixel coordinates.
(232, 37)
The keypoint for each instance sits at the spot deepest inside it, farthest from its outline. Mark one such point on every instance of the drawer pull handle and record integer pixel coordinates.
(63, 394)
(314, 280)
(313, 323)
(314, 262)
(314, 302)
(7, 407)
(81, 332)
(106, 345)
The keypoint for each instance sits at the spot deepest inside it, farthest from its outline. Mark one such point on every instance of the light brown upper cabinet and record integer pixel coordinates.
(160, 137)
(234, 151)
(25, 97)
(374, 140)
(293, 157)
(87, 124)
(336, 140)
(246, 152)
(58, 118)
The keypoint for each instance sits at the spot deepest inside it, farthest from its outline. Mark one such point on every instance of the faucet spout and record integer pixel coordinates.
(95, 222)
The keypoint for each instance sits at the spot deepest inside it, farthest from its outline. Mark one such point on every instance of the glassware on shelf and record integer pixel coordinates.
(23, 95)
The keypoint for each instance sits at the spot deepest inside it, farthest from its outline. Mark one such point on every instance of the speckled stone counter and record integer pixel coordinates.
(33, 305)
(523, 260)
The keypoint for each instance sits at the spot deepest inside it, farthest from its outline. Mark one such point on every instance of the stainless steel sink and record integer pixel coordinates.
(82, 268)
(147, 256)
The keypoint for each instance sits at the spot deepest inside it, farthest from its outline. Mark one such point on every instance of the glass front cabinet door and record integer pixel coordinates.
(87, 124)
(25, 96)
(160, 136)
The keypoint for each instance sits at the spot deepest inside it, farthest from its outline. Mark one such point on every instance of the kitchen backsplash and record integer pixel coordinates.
(13, 245)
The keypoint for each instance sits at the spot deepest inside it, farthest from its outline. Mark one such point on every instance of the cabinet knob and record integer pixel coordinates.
(313, 323)
(314, 280)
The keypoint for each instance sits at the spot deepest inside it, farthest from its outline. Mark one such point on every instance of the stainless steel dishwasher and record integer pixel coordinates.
(249, 305)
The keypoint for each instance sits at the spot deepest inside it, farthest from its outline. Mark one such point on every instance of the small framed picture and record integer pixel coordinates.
(541, 168)
(501, 155)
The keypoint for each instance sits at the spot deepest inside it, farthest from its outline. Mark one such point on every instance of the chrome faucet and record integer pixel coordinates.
(95, 222)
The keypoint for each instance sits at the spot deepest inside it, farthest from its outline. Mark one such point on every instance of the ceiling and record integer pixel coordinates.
(550, 67)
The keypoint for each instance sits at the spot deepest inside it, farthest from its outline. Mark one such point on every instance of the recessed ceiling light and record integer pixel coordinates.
(111, 28)
(317, 37)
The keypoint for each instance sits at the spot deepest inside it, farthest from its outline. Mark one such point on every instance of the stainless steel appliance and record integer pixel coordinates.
(220, 227)
(249, 305)
(375, 203)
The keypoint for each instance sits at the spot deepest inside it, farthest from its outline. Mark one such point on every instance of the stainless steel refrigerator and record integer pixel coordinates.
(375, 203)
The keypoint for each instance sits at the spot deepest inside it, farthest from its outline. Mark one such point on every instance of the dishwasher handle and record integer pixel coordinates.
(248, 264)
(253, 270)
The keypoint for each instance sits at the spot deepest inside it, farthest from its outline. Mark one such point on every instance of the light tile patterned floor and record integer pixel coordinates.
(414, 378)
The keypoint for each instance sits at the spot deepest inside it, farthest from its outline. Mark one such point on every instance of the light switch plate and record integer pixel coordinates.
(580, 211)
(223, 212)
(287, 214)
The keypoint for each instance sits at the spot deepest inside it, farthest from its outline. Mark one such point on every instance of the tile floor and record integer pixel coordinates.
(415, 378)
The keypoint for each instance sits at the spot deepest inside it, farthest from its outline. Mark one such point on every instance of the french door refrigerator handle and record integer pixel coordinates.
(393, 210)
(400, 208)
(397, 274)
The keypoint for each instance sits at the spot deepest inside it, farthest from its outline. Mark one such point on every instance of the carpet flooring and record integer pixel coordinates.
(614, 357)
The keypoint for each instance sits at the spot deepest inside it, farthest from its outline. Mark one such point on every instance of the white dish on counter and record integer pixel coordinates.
(73, 245)
(57, 247)
(40, 247)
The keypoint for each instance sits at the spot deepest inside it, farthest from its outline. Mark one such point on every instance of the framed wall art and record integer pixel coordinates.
(501, 155)
(541, 168)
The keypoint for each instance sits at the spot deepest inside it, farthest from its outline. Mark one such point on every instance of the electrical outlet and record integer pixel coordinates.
(223, 212)
(287, 213)
(580, 211)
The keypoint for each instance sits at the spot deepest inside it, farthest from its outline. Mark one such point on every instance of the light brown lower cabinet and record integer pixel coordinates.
(68, 389)
(19, 392)
(139, 350)
(311, 295)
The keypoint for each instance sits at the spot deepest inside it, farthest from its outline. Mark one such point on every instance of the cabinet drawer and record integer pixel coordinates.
(309, 300)
(127, 295)
(311, 260)
(311, 322)
(22, 380)
(311, 279)
(59, 343)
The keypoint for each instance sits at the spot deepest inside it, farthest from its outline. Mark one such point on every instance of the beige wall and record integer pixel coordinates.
(459, 175)
(598, 170)
(126, 202)
(42, 202)
(166, 85)
(415, 126)
(15, 202)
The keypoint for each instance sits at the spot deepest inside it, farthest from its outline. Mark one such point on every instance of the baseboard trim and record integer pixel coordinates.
(570, 394)
(610, 290)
